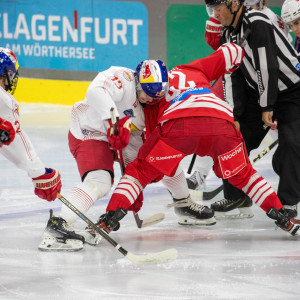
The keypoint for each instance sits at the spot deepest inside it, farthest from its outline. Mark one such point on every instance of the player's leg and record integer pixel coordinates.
(95, 164)
(236, 204)
(235, 166)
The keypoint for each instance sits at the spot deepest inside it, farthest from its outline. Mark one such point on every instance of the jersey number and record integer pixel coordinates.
(117, 82)
(17, 124)
(182, 83)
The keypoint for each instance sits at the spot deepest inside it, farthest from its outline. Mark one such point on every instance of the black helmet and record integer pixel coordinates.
(212, 3)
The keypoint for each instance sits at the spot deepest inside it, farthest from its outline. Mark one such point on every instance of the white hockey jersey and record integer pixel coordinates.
(114, 87)
(20, 152)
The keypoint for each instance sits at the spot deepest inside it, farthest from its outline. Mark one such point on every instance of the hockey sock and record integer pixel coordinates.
(260, 191)
(177, 184)
(96, 185)
(125, 193)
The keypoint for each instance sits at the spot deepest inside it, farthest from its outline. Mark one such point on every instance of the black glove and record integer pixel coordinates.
(110, 221)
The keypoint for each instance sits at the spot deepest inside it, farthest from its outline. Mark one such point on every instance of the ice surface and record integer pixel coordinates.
(236, 259)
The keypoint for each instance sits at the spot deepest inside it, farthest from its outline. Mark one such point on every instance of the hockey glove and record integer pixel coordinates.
(7, 132)
(120, 139)
(110, 221)
(48, 185)
(138, 203)
(213, 31)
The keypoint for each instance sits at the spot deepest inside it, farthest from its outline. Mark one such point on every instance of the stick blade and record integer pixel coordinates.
(153, 258)
(157, 218)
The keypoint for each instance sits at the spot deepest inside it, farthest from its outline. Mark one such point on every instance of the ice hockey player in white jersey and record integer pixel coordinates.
(94, 148)
(14, 142)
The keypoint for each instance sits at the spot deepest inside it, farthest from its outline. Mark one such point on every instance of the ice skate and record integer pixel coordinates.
(284, 221)
(292, 210)
(59, 237)
(223, 207)
(191, 213)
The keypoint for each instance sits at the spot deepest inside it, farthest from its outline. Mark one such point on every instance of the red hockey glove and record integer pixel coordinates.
(7, 132)
(233, 55)
(213, 31)
(121, 139)
(48, 185)
(138, 203)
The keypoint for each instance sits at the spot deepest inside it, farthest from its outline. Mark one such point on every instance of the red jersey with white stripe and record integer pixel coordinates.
(190, 93)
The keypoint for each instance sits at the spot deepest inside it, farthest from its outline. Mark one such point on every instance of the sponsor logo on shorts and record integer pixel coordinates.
(158, 158)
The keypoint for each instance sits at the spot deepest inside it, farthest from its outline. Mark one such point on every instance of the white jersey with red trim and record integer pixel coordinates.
(190, 91)
(20, 152)
(114, 87)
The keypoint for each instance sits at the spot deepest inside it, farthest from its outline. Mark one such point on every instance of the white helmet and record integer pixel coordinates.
(249, 3)
(290, 10)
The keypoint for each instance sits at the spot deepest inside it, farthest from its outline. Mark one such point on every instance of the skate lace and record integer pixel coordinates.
(181, 203)
(187, 202)
(223, 201)
(196, 207)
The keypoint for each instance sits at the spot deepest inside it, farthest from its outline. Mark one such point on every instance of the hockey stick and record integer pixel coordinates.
(147, 259)
(156, 218)
(241, 42)
(210, 195)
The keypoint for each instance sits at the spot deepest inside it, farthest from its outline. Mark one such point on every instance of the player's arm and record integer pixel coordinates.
(47, 181)
(225, 60)
(265, 62)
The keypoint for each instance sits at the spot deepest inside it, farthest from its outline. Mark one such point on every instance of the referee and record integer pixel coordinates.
(265, 87)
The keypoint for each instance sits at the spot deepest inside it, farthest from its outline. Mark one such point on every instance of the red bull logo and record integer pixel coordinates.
(146, 72)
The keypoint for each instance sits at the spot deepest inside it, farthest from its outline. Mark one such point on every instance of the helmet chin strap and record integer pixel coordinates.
(8, 86)
(234, 13)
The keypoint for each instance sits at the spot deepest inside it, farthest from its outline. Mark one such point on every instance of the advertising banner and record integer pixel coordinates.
(77, 35)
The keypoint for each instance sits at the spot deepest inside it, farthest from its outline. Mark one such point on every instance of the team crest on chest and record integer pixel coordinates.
(129, 113)
(126, 75)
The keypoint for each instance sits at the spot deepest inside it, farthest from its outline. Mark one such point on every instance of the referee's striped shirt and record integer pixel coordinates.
(270, 65)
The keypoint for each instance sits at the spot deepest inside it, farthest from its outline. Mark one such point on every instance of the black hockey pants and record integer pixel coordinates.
(286, 159)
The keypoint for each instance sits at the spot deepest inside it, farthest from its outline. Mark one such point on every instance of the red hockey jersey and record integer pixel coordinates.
(190, 93)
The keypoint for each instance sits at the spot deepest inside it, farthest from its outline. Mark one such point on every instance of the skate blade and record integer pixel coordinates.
(244, 213)
(51, 244)
(189, 221)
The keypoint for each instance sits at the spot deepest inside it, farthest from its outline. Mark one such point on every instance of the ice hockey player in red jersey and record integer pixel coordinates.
(14, 143)
(191, 119)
